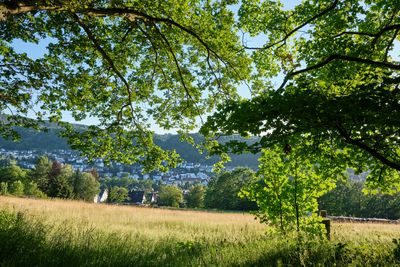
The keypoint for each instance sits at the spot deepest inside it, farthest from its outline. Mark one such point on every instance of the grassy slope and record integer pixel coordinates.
(77, 233)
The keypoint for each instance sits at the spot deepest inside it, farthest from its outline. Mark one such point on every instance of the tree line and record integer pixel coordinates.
(222, 191)
(53, 179)
(48, 179)
(349, 199)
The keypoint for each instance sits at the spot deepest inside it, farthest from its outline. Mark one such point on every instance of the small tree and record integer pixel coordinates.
(12, 173)
(41, 173)
(170, 195)
(60, 187)
(287, 194)
(32, 189)
(85, 186)
(195, 197)
(3, 188)
(117, 194)
(17, 188)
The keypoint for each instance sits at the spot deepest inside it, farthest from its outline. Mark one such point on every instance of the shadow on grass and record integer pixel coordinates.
(25, 241)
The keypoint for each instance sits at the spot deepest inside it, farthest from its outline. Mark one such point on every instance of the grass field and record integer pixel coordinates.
(70, 233)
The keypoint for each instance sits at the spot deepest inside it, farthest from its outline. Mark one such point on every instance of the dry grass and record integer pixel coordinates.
(365, 232)
(149, 222)
(107, 235)
(176, 224)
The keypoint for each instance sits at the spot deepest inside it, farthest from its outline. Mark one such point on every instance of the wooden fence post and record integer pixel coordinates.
(327, 222)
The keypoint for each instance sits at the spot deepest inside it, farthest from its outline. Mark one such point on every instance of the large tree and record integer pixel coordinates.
(340, 88)
(126, 63)
(224, 188)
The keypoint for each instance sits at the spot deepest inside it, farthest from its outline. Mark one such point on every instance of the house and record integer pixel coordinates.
(101, 197)
(151, 198)
(192, 180)
(137, 197)
(157, 177)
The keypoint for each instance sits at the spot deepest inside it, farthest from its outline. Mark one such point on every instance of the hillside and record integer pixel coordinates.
(48, 141)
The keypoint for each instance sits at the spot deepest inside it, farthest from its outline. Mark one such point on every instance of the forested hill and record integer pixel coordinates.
(34, 140)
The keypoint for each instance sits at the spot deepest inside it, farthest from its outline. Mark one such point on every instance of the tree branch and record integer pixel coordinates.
(179, 71)
(348, 58)
(375, 35)
(390, 44)
(331, 7)
(24, 6)
(111, 63)
(366, 148)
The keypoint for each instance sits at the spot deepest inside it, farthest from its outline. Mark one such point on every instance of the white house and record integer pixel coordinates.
(101, 197)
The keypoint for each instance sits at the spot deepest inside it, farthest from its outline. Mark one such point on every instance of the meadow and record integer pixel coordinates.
(70, 233)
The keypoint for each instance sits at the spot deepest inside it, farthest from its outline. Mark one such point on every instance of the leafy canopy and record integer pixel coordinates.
(127, 63)
(340, 89)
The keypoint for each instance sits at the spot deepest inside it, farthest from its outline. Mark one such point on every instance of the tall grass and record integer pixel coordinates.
(68, 233)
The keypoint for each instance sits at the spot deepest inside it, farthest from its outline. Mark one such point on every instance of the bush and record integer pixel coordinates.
(3, 188)
(17, 188)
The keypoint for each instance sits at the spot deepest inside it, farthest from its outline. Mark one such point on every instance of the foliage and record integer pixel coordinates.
(223, 189)
(117, 194)
(60, 187)
(145, 185)
(125, 182)
(287, 195)
(85, 186)
(349, 199)
(8, 161)
(127, 63)
(31, 189)
(195, 197)
(4, 188)
(340, 87)
(16, 188)
(170, 195)
(41, 173)
(49, 178)
(11, 174)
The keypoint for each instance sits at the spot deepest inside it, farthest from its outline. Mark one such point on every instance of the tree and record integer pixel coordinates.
(8, 161)
(4, 188)
(158, 185)
(195, 197)
(32, 189)
(60, 187)
(12, 173)
(146, 185)
(41, 173)
(61, 181)
(170, 195)
(17, 188)
(288, 191)
(340, 87)
(123, 62)
(117, 194)
(95, 173)
(85, 186)
(223, 189)
(348, 199)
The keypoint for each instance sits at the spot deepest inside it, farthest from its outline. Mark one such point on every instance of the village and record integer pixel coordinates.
(186, 172)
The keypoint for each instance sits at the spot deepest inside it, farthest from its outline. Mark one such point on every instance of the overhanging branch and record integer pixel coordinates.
(368, 149)
(331, 7)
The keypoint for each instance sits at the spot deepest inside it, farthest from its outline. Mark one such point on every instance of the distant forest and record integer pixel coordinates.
(40, 140)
